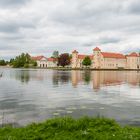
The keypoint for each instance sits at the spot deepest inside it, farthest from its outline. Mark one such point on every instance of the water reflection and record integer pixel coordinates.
(97, 78)
(105, 78)
(87, 76)
(61, 77)
(23, 76)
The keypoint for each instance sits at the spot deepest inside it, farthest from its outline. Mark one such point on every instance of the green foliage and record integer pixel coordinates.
(86, 61)
(34, 63)
(26, 65)
(22, 61)
(70, 129)
(11, 61)
(3, 63)
(55, 54)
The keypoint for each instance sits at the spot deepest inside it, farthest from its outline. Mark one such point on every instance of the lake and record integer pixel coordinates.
(34, 95)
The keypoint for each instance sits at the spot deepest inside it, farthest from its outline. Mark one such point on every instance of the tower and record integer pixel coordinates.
(74, 59)
(97, 58)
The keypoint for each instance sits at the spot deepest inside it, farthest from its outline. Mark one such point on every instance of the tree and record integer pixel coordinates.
(87, 61)
(64, 59)
(34, 63)
(11, 61)
(3, 63)
(26, 65)
(55, 54)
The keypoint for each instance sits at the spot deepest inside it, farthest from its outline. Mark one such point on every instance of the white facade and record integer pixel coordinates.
(42, 63)
(51, 64)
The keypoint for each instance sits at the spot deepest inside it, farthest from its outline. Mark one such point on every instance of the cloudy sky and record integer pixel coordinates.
(41, 26)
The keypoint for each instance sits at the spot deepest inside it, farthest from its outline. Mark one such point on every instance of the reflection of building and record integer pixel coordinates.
(102, 78)
(107, 60)
(44, 62)
(96, 80)
(106, 78)
(75, 77)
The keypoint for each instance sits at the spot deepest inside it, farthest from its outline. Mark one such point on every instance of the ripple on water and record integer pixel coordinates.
(71, 108)
(102, 108)
(56, 114)
(83, 107)
(60, 110)
(69, 112)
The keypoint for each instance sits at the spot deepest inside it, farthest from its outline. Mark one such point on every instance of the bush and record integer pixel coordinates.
(26, 65)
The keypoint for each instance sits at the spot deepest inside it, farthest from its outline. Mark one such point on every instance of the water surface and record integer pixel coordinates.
(34, 95)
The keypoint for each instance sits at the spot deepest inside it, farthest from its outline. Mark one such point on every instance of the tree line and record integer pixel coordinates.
(3, 62)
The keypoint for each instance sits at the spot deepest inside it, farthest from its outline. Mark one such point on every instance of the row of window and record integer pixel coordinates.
(134, 60)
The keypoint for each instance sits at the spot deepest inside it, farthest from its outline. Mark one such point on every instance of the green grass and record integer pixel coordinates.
(71, 129)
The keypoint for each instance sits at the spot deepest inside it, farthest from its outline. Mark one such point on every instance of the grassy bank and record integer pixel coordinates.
(71, 129)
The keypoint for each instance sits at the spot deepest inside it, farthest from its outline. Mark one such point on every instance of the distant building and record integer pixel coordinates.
(41, 61)
(52, 62)
(107, 60)
(44, 62)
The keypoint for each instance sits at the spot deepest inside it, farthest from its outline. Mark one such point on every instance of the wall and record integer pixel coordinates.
(51, 64)
(114, 63)
(133, 62)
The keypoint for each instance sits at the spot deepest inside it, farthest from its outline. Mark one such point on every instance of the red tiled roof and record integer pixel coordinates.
(112, 55)
(96, 49)
(134, 54)
(38, 57)
(81, 56)
(51, 59)
(91, 56)
(75, 51)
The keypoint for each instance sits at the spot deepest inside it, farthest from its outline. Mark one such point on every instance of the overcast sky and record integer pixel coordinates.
(41, 26)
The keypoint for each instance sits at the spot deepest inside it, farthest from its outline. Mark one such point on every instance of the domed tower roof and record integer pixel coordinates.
(133, 54)
(75, 51)
(96, 49)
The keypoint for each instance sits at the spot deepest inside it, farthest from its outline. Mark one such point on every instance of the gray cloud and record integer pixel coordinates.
(134, 7)
(12, 3)
(14, 26)
(106, 40)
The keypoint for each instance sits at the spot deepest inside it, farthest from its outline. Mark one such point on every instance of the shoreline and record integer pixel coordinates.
(83, 69)
(69, 69)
